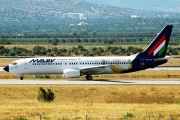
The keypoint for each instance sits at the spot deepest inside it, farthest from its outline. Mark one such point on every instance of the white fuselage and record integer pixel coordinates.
(56, 65)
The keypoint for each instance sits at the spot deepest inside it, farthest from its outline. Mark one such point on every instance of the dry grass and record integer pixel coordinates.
(6, 61)
(99, 102)
(172, 62)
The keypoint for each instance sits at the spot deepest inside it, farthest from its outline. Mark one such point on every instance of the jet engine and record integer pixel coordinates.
(70, 73)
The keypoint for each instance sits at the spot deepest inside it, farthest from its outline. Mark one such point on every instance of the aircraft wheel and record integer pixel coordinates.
(21, 78)
(89, 77)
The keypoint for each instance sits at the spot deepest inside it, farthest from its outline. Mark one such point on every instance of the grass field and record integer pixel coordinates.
(99, 102)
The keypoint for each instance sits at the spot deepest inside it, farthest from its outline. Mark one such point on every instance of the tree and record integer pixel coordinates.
(94, 34)
(5, 41)
(63, 40)
(49, 41)
(74, 35)
(54, 43)
(84, 33)
(55, 50)
(38, 50)
(12, 53)
(55, 40)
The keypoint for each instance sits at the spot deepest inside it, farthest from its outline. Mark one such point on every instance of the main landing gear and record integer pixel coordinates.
(21, 78)
(89, 77)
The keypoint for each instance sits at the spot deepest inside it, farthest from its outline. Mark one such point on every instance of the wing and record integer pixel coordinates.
(93, 69)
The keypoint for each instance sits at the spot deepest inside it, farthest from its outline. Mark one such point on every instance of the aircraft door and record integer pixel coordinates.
(16, 66)
(26, 66)
(141, 63)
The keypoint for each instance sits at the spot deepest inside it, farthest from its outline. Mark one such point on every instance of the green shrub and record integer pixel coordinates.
(47, 76)
(20, 118)
(128, 115)
(42, 76)
(39, 76)
(47, 96)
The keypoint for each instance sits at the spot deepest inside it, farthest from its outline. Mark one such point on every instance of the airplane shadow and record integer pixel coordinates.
(104, 81)
(113, 81)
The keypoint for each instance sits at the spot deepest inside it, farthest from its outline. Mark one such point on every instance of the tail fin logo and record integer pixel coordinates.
(159, 47)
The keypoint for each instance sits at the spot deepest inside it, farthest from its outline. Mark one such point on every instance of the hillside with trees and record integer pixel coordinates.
(47, 18)
(78, 22)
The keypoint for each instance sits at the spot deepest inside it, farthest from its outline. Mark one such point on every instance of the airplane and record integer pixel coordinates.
(74, 67)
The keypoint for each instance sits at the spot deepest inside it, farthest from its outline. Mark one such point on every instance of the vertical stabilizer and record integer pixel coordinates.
(158, 47)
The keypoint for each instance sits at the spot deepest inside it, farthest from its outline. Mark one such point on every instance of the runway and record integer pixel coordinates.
(1, 69)
(94, 82)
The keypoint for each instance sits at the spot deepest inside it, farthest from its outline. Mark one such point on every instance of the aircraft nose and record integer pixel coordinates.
(6, 68)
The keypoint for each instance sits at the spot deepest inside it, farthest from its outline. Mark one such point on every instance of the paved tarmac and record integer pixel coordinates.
(95, 82)
(1, 69)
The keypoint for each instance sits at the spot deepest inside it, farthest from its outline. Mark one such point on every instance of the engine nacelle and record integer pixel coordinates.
(70, 73)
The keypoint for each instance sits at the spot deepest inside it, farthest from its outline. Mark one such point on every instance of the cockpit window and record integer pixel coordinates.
(14, 63)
